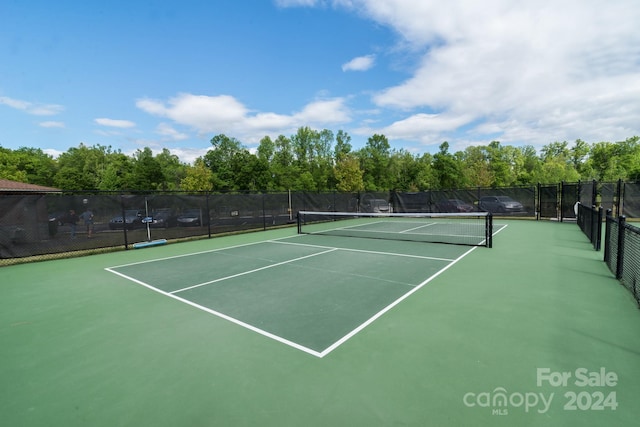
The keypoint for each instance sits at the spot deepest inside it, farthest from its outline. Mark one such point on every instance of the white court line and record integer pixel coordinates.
(373, 231)
(390, 306)
(222, 315)
(346, 227)
(252, 271)
(415, 228)
(193, 253)
(362, 250)
(284, 340)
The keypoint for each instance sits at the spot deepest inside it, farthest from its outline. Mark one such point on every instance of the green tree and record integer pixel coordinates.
(578, 155)
(629, 153)
(9, 168)
(173, 170)
(322, 167)
(612, 161)
(218, 159)
(426, 177)
(556, 169)
(500, 164)
(197, 177)
(38, 167)
(283, 169)
(477, 169)
(81, 168)
(312, 150)
(147, 172)
(305, 182)
(530, 163)
(348, 174)
(343, 145)
(404, 171)
(250, 172)
(266, 149)
(448, 168)
(374, 161)
(118, 174)
(557, 164)
(303, 143)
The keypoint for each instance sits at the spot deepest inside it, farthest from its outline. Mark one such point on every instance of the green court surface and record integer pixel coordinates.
(279, 329)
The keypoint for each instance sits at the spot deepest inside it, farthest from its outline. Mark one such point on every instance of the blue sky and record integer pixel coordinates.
(172, 74)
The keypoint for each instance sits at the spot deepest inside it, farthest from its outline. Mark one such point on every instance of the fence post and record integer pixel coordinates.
(607, 238)
(560, 205)
(618, 197)
(620, 256)
(538, 206)
(208, 213)
(599, 230)
(264, 214)
(124, 223)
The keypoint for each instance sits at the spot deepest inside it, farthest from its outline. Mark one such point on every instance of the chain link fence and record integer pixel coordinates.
(43, 225)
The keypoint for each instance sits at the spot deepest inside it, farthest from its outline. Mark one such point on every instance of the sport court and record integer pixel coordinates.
(84, 346)
(314, 291)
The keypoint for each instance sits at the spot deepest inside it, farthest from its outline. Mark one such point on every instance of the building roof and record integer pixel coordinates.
(7, 186)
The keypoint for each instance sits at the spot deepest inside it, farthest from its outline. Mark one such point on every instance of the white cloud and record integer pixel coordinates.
(189, 155)
(35, 109)
(51, 124)
(361, 63)
(326, 112)
(204, 113)
(52, 152)
(225, 114)
(425, 128)
(296, 3)
(165, 129)
(122, 124)
(535, 72)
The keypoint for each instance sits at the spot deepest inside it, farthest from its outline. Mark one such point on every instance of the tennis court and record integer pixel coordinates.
(311, 292)
(278, 328)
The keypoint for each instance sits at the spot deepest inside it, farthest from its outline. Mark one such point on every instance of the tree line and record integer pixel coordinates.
(321, 161)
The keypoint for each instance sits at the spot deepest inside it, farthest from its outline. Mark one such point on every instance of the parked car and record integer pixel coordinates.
(500, 204)
(376, 206)
(164, 218)
(132, 219)
(192, 218)
(454, 205)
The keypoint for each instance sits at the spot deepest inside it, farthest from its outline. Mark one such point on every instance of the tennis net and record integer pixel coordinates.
(472, 229)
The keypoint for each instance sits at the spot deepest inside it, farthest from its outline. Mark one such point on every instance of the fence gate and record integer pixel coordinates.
(570, 196)
(548, 207)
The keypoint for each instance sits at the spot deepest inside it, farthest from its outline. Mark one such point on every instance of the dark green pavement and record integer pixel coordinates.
(82, 347)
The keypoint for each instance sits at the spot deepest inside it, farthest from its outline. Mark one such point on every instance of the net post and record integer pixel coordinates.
(299, 222)
(489, 228)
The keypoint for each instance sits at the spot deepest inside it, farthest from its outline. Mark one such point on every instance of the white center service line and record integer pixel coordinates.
(252, 271)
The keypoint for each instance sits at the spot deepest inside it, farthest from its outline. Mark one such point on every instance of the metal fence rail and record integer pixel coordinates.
(622, 252)
(42, 224)
(590, 222)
